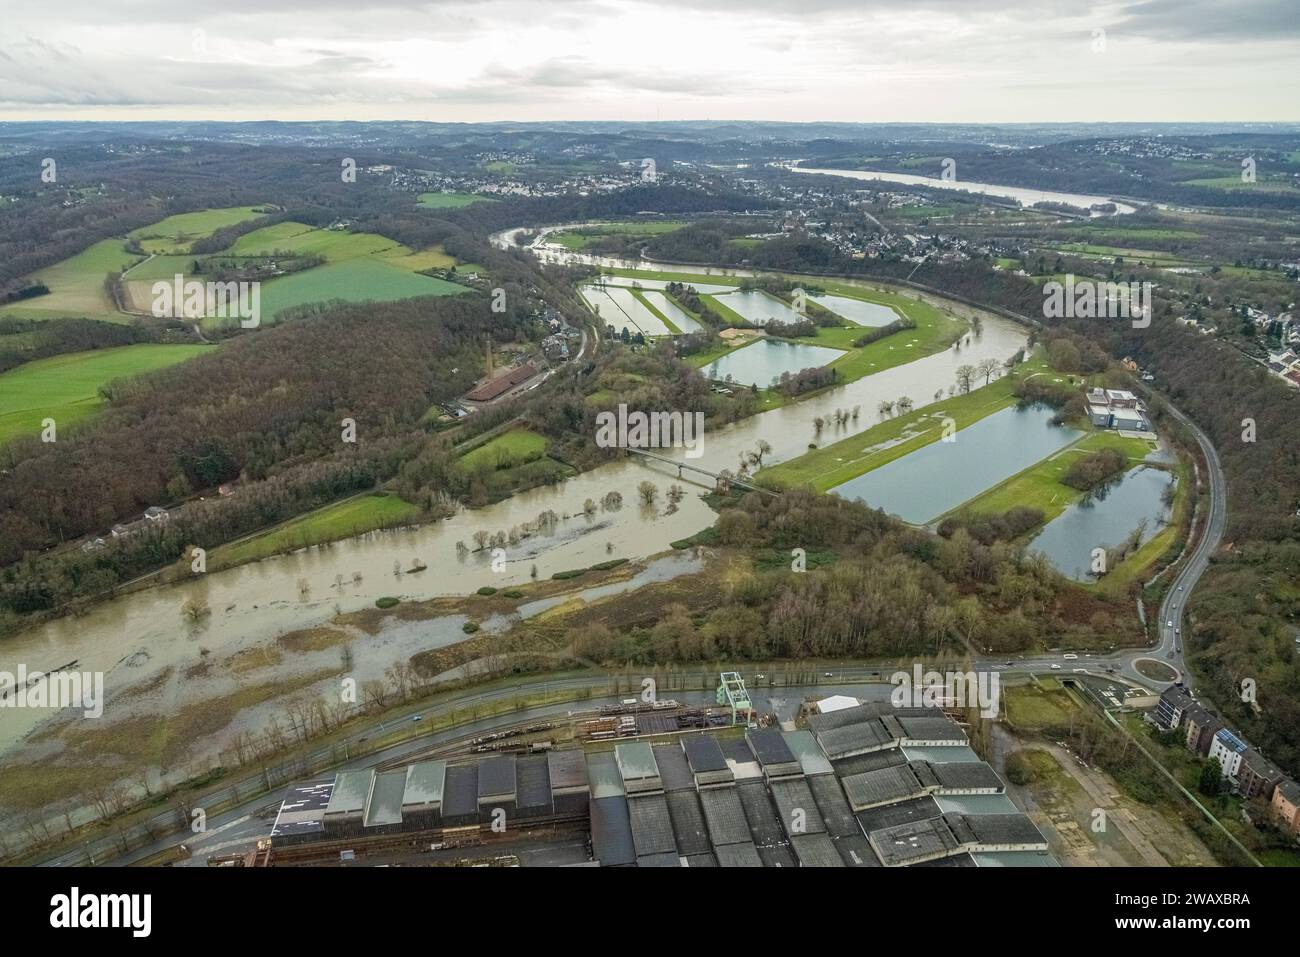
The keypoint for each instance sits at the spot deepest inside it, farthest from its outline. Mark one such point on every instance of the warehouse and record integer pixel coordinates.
(767, 798)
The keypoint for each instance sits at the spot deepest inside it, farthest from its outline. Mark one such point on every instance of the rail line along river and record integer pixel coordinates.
(139, 635)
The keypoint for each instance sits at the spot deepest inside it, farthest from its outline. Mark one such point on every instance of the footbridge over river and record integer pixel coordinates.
(716, 476)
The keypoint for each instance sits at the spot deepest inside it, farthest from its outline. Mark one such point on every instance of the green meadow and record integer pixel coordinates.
(836, 463)
(353, 280)
(353, 516)
(450, 200)
(66, 388)
(511, 448)
(77, 285)
(175, 233)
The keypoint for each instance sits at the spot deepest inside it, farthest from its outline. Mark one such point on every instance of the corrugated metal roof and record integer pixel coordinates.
(460, 790)
(703, 753)
(532, 782)
(769, 746)
(611, 831)
(385, 804)
(496, 777)
(652, 828)
(351, 788)
(567, 768)
(424, 783)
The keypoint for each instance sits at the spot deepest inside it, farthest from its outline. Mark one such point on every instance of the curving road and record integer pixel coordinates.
(1174, 606)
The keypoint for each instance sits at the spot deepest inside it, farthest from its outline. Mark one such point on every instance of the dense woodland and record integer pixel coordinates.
(266, 410)
(874, 588)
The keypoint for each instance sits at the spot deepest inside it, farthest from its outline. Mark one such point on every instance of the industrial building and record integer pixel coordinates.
(862, 786)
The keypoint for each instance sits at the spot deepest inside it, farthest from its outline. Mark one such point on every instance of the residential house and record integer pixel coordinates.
(1171, 707)
(1228, 750)
(1258, 776)
(1286, 805)
(1201, 725)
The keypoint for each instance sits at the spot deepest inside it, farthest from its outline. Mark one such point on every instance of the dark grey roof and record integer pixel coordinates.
(867, 711)
(855, 851)
(568, 769)
(885, 786)
(702, 860)
(850, 739)
(815, 850)
(738, 855)
(460, 790)
(496, 777)
(667, 859)
(913, 842)
(796, 807)
(611, 832)
(890, 815)
(532, 781)
(869, 762)
(777, 855)
(690, 833)
(1003, 829)
(933, 728)
(725, 816)
(760, 812)
(737, 749)
(703, 753)
(1290, 790)
(652, 828)
(1261, 766)
(673, 769)
(835, 810)
(769, 747)
(966, 774)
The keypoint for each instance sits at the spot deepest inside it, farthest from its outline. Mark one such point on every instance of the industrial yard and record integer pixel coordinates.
(662, 784)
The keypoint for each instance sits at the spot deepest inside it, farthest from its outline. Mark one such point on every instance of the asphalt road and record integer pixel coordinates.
(1173, 608)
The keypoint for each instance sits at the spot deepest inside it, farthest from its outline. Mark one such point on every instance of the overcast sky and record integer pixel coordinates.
(851, 60)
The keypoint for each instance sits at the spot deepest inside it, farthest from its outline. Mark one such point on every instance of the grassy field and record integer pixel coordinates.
(344, 519)
(353, 280)
(1044, 707)
(1039, 486)
(450, 200)
(579, 239)
(66, 388)
(175, 233)
(357, 267)
(833, 464)
(77, 285)
(334, 245)
(510, 448)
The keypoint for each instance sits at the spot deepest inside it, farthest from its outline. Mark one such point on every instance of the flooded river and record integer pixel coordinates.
(138, 636)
